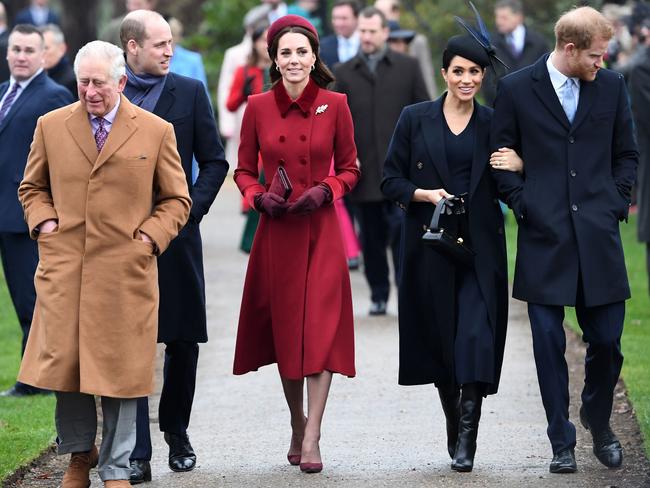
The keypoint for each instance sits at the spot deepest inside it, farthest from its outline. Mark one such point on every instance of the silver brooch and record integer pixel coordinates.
(321, 109)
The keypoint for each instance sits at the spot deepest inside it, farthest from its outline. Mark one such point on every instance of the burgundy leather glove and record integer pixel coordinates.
(271, 204)
(312, 199)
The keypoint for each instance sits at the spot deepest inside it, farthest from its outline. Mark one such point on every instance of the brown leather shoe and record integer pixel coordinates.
(78, 473)
(117, 484)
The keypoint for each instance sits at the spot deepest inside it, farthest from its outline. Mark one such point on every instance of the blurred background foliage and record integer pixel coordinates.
(221, 23)
(211, 26)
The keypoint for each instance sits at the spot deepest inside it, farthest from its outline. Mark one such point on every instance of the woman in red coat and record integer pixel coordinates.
(297, 306)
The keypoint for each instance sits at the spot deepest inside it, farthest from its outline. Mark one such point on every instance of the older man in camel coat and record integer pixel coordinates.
(103, 193)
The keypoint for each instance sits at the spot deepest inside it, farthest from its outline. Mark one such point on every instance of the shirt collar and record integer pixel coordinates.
(352, 40)
(557, 78)
(304, 102)
(519, 35)
(110, 116)
(25, 83)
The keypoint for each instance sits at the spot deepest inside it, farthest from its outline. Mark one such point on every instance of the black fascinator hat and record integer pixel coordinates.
(475, 45)
(466, 47)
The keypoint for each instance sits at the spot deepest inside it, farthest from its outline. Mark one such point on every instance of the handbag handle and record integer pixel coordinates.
(435, 220)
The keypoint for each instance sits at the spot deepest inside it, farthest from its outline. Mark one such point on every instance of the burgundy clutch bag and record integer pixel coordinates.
(281, 185)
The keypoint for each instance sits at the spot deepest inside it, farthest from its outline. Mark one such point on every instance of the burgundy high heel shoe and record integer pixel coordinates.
(311, 467)
(294, 459)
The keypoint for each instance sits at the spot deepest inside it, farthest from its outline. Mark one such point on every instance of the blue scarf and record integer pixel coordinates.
(143, 90)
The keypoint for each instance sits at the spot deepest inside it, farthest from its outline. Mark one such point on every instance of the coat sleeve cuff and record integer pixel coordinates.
(39, 216)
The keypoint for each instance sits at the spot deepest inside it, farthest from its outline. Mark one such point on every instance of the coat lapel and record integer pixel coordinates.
(588, 96)
(123, 128)
(22, 99)
(543, 88)
(480, 158)
(167, 98)
(432, 128)
(362, 67)
(78, 126)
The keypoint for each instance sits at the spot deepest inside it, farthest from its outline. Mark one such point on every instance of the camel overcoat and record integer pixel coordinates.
(95, 322)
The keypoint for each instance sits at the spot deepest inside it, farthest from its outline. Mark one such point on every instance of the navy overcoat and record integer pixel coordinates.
(427, 299)
(41, 96)
(185, 104)
(576, 187)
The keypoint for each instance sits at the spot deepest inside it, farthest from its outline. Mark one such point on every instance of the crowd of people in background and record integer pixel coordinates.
(384, 68)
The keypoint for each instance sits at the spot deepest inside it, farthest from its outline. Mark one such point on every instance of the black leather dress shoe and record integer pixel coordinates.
(181, 454)
(378, 308)
(564, 462)
(607, 448)
(21, 390)
(140, 471)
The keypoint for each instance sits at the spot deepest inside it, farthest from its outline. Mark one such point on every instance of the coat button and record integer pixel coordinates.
(574, 207)
(573, 173)
(282, 138)
(281, 162)
(303, 161)
(500, 230)
(572, 140)
(420, 165)
(303, 137)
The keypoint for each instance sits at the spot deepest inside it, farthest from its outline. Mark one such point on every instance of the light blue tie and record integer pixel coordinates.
(569, 103)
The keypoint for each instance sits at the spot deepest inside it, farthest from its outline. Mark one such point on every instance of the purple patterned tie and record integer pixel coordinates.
(8, 102)
(100, 134)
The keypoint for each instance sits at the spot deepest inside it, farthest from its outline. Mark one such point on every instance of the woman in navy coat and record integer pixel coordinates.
(297, 305)
(452, 319)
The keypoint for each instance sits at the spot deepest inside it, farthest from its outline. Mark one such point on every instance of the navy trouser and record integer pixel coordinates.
(380, 224)
(179, 381)
(602, 327)
(19, 255)
(19, 260)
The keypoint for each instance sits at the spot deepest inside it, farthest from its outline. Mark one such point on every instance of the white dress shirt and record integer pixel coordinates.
(348, 47)
(518, 38)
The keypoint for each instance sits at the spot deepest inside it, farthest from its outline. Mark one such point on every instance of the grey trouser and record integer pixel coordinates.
(76, 427)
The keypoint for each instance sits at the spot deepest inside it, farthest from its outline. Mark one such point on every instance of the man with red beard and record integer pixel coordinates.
(570, 122)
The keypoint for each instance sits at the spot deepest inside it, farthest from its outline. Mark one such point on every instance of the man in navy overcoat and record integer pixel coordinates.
(570, 121)
(27, 95)
(147, 42)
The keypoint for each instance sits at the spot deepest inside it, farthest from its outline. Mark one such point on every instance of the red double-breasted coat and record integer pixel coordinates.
(297, 305)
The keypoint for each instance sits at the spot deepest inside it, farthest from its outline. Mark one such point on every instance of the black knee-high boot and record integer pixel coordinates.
(470, 413)
(450, 400)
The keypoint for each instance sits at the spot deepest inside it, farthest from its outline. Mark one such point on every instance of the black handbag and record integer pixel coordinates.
(444, 242)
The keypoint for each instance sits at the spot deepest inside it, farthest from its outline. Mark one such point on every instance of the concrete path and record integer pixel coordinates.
(375, 432)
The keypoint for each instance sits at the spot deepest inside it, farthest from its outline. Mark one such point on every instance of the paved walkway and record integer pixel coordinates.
(375, 432)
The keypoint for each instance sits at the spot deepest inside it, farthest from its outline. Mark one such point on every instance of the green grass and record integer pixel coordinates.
(26, 424)
(636, 336)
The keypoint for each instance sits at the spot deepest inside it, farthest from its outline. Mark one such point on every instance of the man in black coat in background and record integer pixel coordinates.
(147, 41)
(515, 43)
(570, 121)
(379, 83)
(55, 60)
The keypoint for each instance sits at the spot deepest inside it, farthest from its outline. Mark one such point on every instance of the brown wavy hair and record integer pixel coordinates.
(321, 74)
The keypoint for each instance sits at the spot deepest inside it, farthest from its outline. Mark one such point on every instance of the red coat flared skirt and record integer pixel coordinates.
(297, 306)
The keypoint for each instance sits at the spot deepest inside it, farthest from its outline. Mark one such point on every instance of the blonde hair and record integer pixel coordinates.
(580, 26)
